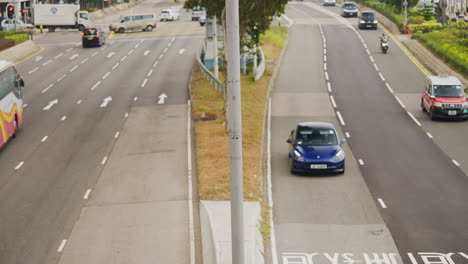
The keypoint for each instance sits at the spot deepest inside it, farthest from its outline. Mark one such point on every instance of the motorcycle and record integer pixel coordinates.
(384, 45)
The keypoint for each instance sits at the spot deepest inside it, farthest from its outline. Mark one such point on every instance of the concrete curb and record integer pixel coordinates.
(19, 52)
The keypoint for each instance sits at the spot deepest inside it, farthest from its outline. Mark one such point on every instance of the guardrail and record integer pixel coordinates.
(210, 76)
(258, 72)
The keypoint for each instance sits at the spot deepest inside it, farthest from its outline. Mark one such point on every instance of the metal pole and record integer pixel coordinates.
(405, 4)
(15, 10)
(235, 129)
(215, 39)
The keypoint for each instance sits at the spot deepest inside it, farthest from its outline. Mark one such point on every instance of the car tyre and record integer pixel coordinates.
(121, 30)
(422, 106)
(431, 115)
(149, 28)
(291, 167)
(81, 28)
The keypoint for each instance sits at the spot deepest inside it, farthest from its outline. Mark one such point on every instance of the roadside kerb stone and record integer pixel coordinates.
(19, 52)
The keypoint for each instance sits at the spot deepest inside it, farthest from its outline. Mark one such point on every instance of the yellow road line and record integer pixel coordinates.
(406, 51)
(111, 35)
(41, 49)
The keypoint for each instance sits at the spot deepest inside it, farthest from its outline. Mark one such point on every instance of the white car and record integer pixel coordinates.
(169, 14)
(329, 2)
(9, 25)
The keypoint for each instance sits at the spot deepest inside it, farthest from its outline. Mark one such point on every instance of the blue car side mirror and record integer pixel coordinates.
(289, 141)
(343, 141)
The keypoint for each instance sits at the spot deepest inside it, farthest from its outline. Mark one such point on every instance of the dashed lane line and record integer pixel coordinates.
(33, 70)
(456, 163)
(86, 196)
(400, 102)
(62, 245)
(342, 122)
(333, 101)
(347, 135)
(19, 165)
(414, 119)
(382, 203)
(104, 160)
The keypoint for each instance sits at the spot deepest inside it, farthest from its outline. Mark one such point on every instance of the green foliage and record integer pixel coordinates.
(426, 27)
(427, 12)
(17, 36)
(415, 19)
(275, 35)
(389, 11)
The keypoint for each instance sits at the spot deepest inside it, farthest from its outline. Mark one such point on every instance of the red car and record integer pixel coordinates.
(444, 97)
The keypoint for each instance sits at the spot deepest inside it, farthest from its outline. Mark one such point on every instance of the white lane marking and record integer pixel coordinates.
(368, 52)
(25, 105)
(340, 117)
(137, 45)
(38, 58)
(105, 76)
(130, 52)
(456, 163)
(78, 102)
(74, 68)
(414, 119)
(58, 56)
(173, 38)
(47, 62)
(44, 138)
(429, 135)
(61, 78)
(156, 63)
(329, 87)
(103, 48)
(117, 135)
(33, 70)
(19, 165)
(125, 57)
(51, 103)
(135, 98)
(110, 54)
(381, 202)
(325, 66)
(96, 85)
(115, 66)
(324, 51)
(169, 45)
(126, 115)
(141, 41)
(144, 82)
(160, 56)
(400, 102)
(86, 196)
(146, 52)
(106, 101)
(326, 76)
(347, 135)
(290, 23)
(68, 49)
(47, 88)
(190, 185)
(149, 73)
(324, 45)
(165, 50)
(389, 88)
(376, 68)
(333, 101)
(94, 54)
(85, 60)
(269, 187)
(365, 46)
(62, 245)
(162, 97)
(104, 160)
(361, 162)
(73, 57)
(63, 118)
(371, 58)
(381, 76)
(325, 58)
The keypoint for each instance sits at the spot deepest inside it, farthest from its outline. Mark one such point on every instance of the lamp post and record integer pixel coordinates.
(405, 5)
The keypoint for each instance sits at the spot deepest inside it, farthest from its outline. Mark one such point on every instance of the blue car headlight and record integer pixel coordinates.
(339, 156)
(298, 156)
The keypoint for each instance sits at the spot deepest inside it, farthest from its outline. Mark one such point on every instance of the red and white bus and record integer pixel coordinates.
(11, 102)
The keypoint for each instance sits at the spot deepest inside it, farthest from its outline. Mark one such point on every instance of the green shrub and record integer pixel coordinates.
(18, 38)
(390, 12)
(426, 27)
(415, 20)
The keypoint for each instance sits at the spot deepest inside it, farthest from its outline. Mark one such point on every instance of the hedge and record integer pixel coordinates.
(18, 38)
(426, 27)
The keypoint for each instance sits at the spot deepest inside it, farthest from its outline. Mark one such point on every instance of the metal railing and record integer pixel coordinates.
(208, 75)
(260, 70)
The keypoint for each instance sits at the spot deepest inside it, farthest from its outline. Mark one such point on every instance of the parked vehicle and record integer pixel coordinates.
(52, 16)
(169, 14)
(316, 147)
(144, 22)
(11, 102)
(368, 19)
(197, 13)
(444, 97)
(92, 37)
(329, 2)
(202, 20)
(9, 25)
(349, 9)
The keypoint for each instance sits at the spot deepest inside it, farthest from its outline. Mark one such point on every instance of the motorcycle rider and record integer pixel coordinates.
(383, 38)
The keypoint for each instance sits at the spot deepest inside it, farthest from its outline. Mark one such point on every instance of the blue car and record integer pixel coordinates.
(316, 147)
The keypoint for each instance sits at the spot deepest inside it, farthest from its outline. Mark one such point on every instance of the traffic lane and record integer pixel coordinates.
(416, 217)
(167, 84)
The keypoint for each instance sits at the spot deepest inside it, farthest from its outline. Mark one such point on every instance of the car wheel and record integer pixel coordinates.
(149, 28)
(422, 106)
(431, 115)
(15, 124)
(342, 172)
(121, 30)
(81, 27)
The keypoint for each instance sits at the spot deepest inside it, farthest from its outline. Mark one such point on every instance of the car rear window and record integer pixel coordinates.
(90, 32)
(311, 136)
(368, 15)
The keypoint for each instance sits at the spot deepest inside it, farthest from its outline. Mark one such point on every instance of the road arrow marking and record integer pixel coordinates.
(51, 103)
(73, 57)
(147, 52)
(162, 97)
(106, 101)
(181, 51)
(110, 54)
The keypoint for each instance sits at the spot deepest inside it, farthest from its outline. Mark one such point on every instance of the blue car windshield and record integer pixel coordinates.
(311, 136)
(448, 91)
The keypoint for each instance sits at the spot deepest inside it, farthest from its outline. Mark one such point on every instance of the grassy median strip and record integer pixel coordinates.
(212, 142)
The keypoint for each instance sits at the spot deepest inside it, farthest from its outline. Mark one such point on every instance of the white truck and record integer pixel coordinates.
(54, 16)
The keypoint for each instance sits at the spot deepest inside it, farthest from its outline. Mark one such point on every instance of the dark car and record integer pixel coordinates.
(349, 9)
(92, 37)
(316, 147)
(368, 19)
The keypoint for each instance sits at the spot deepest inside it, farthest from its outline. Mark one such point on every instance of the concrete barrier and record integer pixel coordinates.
(19, 52)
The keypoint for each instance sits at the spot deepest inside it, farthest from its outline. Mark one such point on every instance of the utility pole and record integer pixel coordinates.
(405, 4)
(215, 39)
(235, 130)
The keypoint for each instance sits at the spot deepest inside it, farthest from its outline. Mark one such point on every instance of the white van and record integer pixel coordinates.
(145, 22)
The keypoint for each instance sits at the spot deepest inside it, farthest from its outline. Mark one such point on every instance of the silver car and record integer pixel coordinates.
(349, 9)
(9, 25)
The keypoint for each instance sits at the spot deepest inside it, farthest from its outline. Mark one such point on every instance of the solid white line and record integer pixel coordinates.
(126, 115)
(340, 117)
(347, 135)
(104, 160)
(47, 88)
(325, 66)
(94, 54)
(376, 68)
(105, 76)
(58, 56)
(149, 73)
(115, 66)
(160, 56)
(117, 134)
(326, 76)
(69, 49)
(136, 98)
(269, 187)
(35, 69)
(190, 185)
(74, 68)
(400, 102)
(19, 165)
(329, 87)
(389, 88)
(361, 162)
(456, 163)
(47, 62)
(333, 101)
(61, 78)
(44, 138)
(79, 102)
(130, 52)
(371, 58)
(62, 245)
(156, 63)
(325, 58)
(382, 203)
(63, 118)
(414, 119)
(125, 57)
(86, 196)
(144, 82)
(429, 135)
(381, 76)
(85, 60)
(96, 85)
